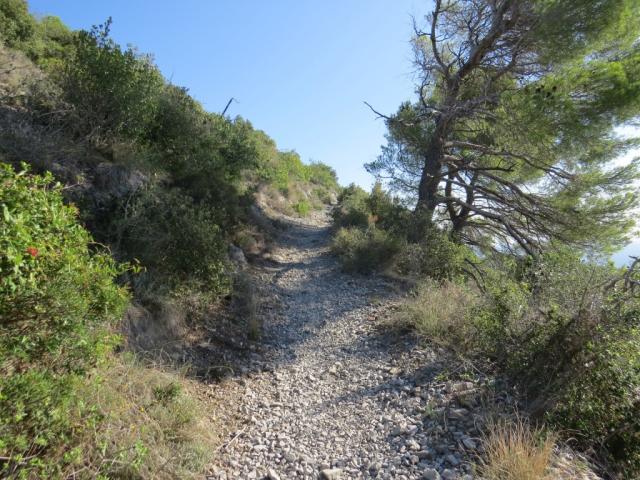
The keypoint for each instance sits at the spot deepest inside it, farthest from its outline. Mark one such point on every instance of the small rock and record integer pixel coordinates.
(459, 386)
(458, 413)
(272, 475)
(469, 443)
(430, 474)
(413, 445)
(331, 474)
(426, 455)
(449, 474)
(452, 459)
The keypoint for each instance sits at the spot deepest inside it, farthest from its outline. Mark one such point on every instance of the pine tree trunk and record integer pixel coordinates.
(430, 178)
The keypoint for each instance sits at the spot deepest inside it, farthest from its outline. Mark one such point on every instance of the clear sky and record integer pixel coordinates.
(300, 69)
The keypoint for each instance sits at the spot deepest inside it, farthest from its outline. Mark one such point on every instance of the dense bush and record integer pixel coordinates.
(44, 40)
(424, 249)
(352, 209)
(57, 303)
(364, 251)
(323, 175)
(177, 240)
(114, 92)
(50, 44)
(548, 323)
(599, 403)
(280, 168)
(434, 256)
(16, 24)
(387, 212)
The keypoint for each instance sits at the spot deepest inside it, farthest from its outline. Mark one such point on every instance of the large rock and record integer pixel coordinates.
(114, 181)
(237, 256)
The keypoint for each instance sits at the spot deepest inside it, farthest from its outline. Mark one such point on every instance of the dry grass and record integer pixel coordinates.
(17, 73)
(297, 193)
(440, 312)
(154, 424)
(514, 451)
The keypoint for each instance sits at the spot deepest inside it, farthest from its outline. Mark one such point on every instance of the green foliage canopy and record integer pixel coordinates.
(513, 138)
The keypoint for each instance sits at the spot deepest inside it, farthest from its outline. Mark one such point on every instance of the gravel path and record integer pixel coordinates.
(330, 395)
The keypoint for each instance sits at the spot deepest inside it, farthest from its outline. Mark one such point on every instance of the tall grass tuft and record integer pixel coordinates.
(514, 451)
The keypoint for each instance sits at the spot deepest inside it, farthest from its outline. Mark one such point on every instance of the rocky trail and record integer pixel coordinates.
(329, 394)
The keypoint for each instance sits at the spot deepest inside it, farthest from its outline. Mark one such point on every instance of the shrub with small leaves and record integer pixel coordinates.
(178, 240)
(352, 209)
(364, 251)
(57, 302)
(434, 256)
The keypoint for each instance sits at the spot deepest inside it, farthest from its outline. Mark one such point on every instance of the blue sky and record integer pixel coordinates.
(299, 69)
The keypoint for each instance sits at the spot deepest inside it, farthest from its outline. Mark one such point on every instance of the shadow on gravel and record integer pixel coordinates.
(294, 309)
(306, 291)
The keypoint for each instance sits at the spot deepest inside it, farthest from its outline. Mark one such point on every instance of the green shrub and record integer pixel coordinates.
(323, 175)
(357, 208)
(58, 301)
(572, 347)
(51, 43)
(302, 208)
(324, 196)
(352, 209)
(364, 251)
(16, 24)
(204, 153)
(178, 240)
(434, 256)
(599, 403)
(387, 212)
(115, 92)
(44, 40)
(281, 168)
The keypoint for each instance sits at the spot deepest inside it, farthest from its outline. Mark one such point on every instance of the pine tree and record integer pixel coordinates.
(512, 139)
